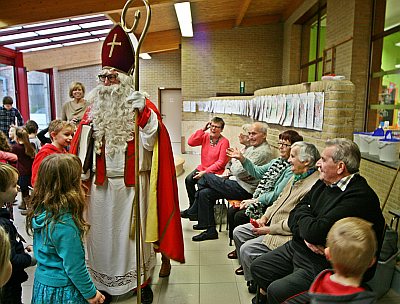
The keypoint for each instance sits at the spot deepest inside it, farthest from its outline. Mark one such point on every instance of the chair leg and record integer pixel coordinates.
(258, 294)
(221, 211)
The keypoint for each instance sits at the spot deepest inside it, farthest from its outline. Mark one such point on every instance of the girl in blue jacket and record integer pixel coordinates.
(58, 226)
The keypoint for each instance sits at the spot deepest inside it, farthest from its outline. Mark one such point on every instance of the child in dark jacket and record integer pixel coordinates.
(21, 257)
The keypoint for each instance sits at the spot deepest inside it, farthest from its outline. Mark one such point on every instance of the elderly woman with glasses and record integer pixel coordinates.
(271, 230)
(273, 178)
(213, 158)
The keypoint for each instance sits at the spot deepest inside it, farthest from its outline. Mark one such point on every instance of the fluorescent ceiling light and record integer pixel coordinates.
(397, 66)
(11, 29)
(65, 37)
(397, 44)
(18, 36)
(59, 30)
(144, 56)
(81, 42)
(99, 32)
(42, 48)
(86, 17)
(97, 23)
(45, 23)
(184, 18)
(33, 42)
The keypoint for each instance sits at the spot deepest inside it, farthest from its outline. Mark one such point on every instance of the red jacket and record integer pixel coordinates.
(46, 150)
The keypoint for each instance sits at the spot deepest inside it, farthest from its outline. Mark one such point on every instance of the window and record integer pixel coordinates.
(384, 82)
(313, 43)
(39, 98)
(7, 82)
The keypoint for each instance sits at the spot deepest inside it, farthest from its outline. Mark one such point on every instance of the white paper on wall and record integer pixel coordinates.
(281, 112)
(261, 108)
(310, 110)
(274, 107)
(201, 105)
(296, 109)
(287, 122)
(319, 110)
(186, 106)
(265, 108)
(192, 106)
(303, 110)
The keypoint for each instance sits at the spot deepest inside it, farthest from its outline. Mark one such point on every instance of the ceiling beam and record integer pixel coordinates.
(229, 24)
(242, 12)
(291, 8)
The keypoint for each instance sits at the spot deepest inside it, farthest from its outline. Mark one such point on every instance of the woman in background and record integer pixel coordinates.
(74, 109)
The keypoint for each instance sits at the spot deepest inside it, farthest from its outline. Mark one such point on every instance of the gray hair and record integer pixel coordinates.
(307, 153)
(347, 152)
(262, 127)
(246, 128)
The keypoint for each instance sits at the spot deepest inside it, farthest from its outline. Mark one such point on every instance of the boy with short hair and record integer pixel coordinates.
(351, 248)
(61, 135)
(32, 128)
(8, 114)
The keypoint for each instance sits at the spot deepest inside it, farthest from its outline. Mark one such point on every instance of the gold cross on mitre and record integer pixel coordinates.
(113, 43)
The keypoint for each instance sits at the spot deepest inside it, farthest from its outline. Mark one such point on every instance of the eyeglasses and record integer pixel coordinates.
(214, 126)
(110, 77)
(284, 145)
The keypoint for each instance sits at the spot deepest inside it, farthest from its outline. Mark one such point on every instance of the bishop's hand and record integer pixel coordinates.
(137, 100)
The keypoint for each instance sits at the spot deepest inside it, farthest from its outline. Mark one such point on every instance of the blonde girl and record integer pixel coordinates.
(5, 253)
(56, 219)
(26, 154)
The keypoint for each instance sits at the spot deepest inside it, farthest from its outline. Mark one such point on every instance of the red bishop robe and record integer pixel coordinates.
(170, 241)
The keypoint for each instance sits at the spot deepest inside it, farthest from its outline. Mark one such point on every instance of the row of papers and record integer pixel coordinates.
(304, 110)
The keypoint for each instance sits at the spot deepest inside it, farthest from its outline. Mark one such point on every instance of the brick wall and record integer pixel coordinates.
(379, 178)
(217, 61)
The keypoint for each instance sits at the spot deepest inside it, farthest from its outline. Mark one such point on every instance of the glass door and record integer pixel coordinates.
(40, 100)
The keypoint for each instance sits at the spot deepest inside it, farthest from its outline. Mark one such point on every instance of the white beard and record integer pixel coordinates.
(113, 117)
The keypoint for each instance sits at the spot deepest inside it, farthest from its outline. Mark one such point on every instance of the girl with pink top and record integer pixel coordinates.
(213, 158)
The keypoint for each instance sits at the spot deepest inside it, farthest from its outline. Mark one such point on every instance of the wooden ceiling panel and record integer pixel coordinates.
(207, 15)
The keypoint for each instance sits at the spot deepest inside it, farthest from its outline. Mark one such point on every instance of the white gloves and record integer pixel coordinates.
(137, 100)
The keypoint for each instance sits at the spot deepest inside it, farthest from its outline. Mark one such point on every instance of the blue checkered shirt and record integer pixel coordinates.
(7, 118)
(344, 182)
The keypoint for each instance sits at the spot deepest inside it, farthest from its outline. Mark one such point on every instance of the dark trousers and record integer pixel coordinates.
(211, 188)
(282, 273)
(236, 217)
(190, 183)
(11, 294)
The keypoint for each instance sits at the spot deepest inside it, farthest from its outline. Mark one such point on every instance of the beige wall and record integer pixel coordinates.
(217, 61)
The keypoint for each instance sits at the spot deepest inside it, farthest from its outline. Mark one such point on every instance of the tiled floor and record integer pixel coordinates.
(207, 277)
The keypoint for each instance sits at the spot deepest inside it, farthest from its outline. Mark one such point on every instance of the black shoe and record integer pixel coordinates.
(186, 214)
(252, 287)
(147, 295)
(198, 227)
(107, 297)
(205, 236)
(262, 299)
